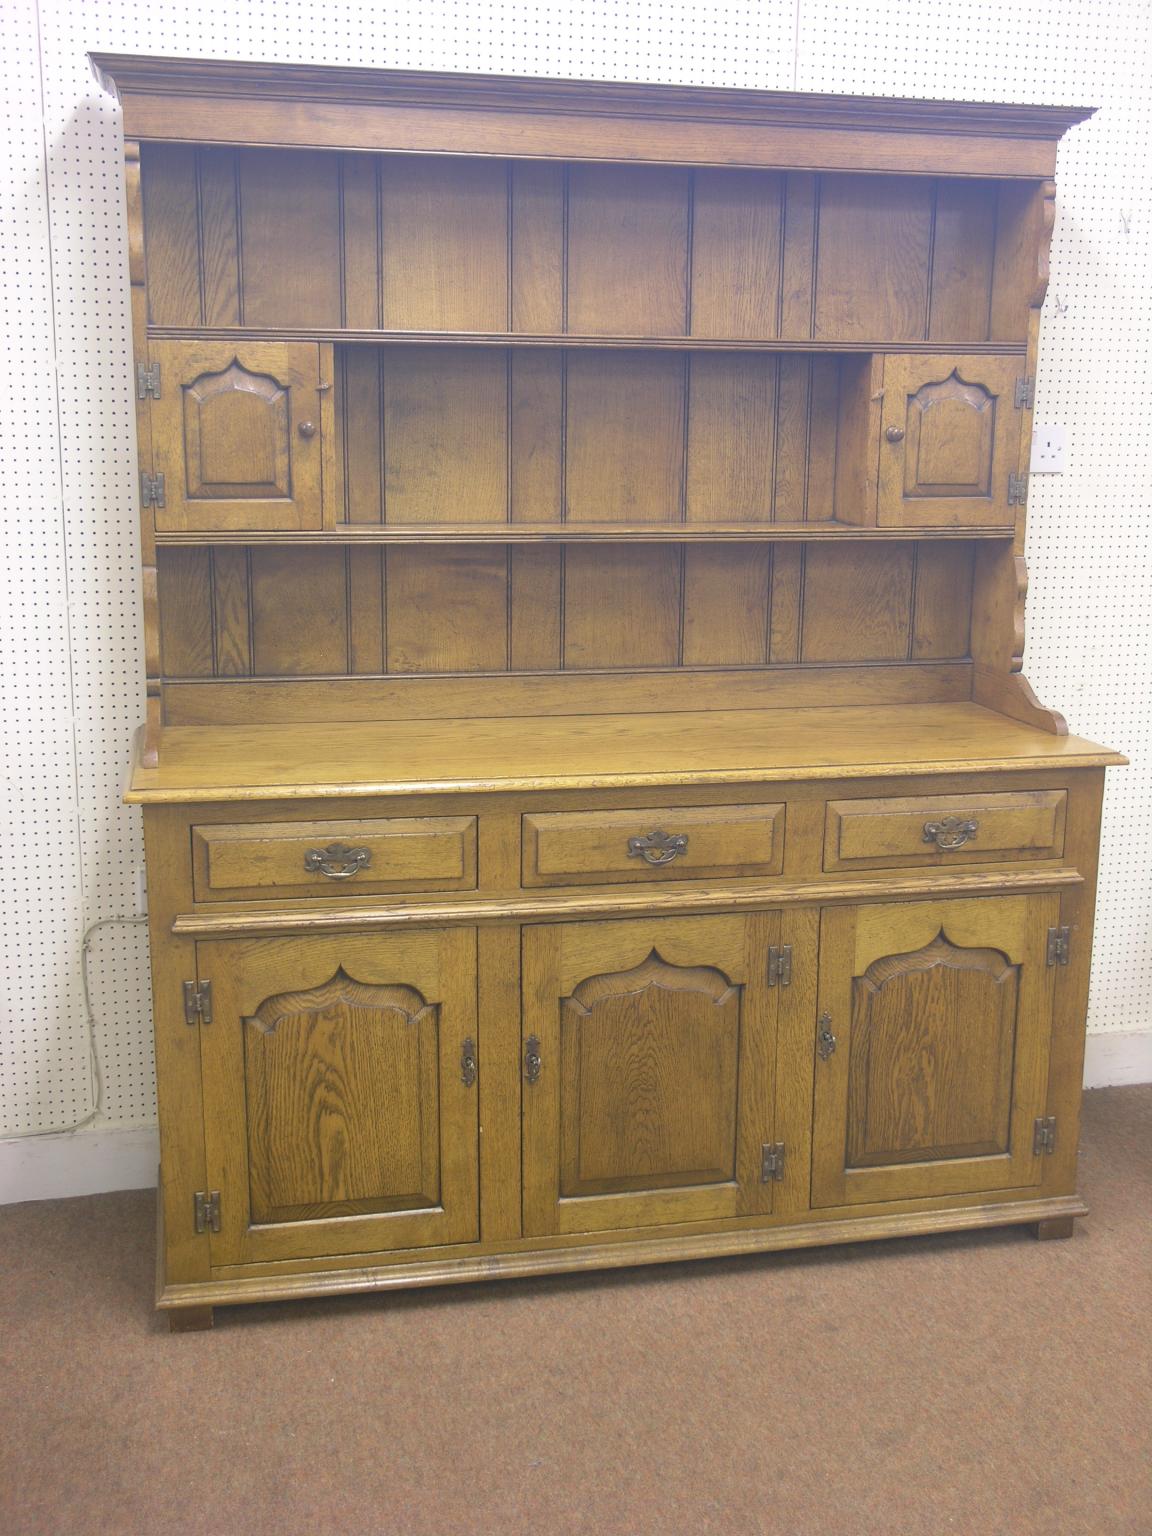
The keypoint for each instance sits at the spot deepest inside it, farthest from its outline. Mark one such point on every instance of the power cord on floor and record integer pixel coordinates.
(95, 1068)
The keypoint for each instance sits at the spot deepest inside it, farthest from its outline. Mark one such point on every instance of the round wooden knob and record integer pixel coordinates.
(307, 429)
(895, 434)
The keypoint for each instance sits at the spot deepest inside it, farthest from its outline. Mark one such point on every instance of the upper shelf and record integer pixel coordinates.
(345, 336)
(576, 533)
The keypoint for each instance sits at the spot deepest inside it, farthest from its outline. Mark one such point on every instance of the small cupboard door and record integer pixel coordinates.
(949, 439)
(649, 1071)
(931, 1048)
(238, 436)
(340, 1093)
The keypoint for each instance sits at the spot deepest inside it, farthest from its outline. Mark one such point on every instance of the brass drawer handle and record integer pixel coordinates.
(337, 861)
(658, 847)
(895, 434)
(951, 833)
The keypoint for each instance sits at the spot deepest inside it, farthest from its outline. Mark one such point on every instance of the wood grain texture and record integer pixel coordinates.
(875, 834)
(952, 1008)
(613, 902)
(624, 438)
(236, 435)
(469, 591)
(337, 1119)
(616, 606)
(494, 115)
(942, 1014)
(444, 428)
(650, 1101)
(172, 236)
(252, 861)
(445, 244)
(875, 238)
(290, 236)
(454, 696)
(589, 751)
(594, 847)
(627, 250)
(342, 1102)
(737, 223)
(958, 437)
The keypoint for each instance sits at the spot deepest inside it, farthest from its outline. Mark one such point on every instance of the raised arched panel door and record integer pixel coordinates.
(238, 433)
(931, 1050)
(950, 439)
(649, 1067)
(340, 1086)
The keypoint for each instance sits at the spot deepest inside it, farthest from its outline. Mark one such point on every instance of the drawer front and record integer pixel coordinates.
(670, 843)
(334, 858)
(944, 829)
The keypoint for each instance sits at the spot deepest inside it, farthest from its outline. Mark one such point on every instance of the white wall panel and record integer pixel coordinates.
(72, 663)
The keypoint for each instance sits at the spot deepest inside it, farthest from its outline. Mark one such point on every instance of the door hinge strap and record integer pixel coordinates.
(772, 1162)
(1017, 490)
(206, 1210)
(152, 490)
(1059, 945)
(148, 381)
(780, 965)
(1025, 393)
(1044, 1136)
(198, 1002)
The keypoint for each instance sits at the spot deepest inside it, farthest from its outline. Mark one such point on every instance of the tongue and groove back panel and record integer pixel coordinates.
(304, 240)
(296, 238)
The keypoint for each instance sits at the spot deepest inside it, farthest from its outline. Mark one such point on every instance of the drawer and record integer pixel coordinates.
(944, 829)
(669, 843)
(334, 858)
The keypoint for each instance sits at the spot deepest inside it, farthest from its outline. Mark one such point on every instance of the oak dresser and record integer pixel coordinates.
(594, 812)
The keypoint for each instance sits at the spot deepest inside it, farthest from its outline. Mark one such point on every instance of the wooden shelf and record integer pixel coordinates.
(579, 533)
(752, 746)
(375, 338)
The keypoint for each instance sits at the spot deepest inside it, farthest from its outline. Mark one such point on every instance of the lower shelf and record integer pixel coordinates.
(614, 1255)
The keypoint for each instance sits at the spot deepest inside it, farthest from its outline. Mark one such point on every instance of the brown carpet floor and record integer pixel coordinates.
(979, 1384)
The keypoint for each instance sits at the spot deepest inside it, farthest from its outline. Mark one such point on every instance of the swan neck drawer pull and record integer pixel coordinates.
(337, 861)
(658, 847)
(953, 832)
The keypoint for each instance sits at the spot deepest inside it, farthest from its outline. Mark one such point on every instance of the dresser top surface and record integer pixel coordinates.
(602, 751)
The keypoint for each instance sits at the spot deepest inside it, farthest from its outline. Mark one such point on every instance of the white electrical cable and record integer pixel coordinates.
(95, 1069)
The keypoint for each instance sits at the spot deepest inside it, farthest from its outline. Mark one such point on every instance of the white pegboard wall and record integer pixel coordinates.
(73, 666)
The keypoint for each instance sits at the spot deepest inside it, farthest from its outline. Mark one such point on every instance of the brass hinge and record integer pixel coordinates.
(198, 1002)
(780, 965)
(772, 1162)
(1025, 393)
(1059, 941)
(147, 381)
(1017, 490)
(1044, 1136)
(152, 490)
(206, 1210)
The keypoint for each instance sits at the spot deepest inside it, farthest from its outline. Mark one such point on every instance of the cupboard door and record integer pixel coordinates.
(931, 1048)
(237, 435)
(649, 1071)
(949, 438)
(340, 1108)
